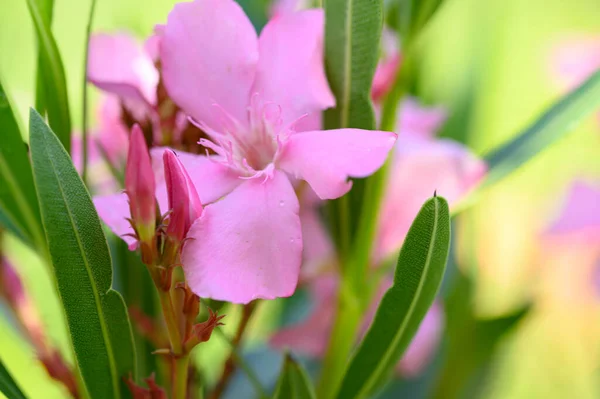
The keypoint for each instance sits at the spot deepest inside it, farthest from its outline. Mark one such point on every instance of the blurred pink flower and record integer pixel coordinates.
(247, 93)
(388, 66)
(575, 59)
(580, 214)
(283, 7)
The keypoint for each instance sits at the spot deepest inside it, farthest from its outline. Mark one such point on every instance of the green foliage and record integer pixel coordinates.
(562, 118)
(54, 80)
(471, 344)
(293, 382)
(96, 314)
(418, 275)
(19, 211)
(46, 8)
(8, 386)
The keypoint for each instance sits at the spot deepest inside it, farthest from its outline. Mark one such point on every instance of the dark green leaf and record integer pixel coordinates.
(562, 118)
(19, 210)
(8, 386)
(471, 343)
(293, 382)
(55, 84)
(99, 327)
(419, 272)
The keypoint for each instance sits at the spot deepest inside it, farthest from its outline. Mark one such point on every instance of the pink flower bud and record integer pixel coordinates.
(184, 202)
(140, 187)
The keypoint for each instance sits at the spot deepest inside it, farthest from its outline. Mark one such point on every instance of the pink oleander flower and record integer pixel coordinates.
(576, 59)
(247, 93)
(420, 165)
(387, 68)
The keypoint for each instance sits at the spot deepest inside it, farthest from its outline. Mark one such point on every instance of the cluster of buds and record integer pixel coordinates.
(160, 237)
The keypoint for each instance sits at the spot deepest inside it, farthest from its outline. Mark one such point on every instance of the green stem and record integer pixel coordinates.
(180, 379)
(171, 322)
(341, 342)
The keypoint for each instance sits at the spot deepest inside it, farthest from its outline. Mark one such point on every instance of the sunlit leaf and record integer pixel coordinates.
(55, 84)
(46, 8)
(418, 275)
(96, 315)
(19, 210)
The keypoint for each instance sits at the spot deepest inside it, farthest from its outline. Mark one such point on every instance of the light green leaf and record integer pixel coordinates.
(96, 315)
(19, 210)
(46, 8)
(55, 84)
(419, 272)
(8, 386)
(293, 382)
(562, 118)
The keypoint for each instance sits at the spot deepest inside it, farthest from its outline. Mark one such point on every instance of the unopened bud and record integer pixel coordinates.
(140, 188)
(201, 332)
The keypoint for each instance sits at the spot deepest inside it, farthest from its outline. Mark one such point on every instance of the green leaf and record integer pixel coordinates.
(46, 8)
(55, 84)
(8, 386)
(96, 315)
(562, 118)
(352, 33)
(293, 382)
(19, 210)
(419, 272)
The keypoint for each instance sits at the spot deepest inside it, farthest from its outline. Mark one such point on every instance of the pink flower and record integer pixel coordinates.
(576, 59)
(387, 68)
(118, 65)
(247, 94)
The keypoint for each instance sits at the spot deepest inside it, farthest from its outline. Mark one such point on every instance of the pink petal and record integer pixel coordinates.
(581, 212)
(211, 179)
(119, 65)
(423, 346)
(417, 120)
(419, 168)
(113, 209)
(310, 336)
(575, 59)
(248, 245)
(327, 158)
(209, 52)
(291, 70)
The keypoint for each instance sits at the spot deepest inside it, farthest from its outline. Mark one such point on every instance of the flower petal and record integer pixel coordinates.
(421, 167)
(325, 159)
(291, 70)
(113, 209)
(209, 52)
(581, 212)
(119, 65)
(248, 245)
(211, 179)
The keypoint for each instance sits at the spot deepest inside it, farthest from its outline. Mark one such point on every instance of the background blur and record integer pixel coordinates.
(490, 63)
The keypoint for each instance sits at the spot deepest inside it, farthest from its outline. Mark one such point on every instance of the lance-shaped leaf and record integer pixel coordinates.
(8, 386)
(419, 272)
(96, 315)
(19, 211)
(54, 81)
(293, 382)
(563, 117)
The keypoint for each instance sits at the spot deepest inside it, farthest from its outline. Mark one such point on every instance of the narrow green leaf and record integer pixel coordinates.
(562, 118)
(419, 272)
(55, 84)
(352, 33)
(46, 8)
(96, 315)
(293, 382)
(19, 210)
(8, 386)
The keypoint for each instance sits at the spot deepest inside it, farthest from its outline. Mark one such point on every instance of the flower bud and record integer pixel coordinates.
(201, 332)
(184, 205)
(140, 188)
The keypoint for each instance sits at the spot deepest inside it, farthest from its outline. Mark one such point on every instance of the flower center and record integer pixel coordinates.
(251, 149)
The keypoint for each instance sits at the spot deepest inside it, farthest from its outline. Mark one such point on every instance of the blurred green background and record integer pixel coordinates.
(489, 62)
